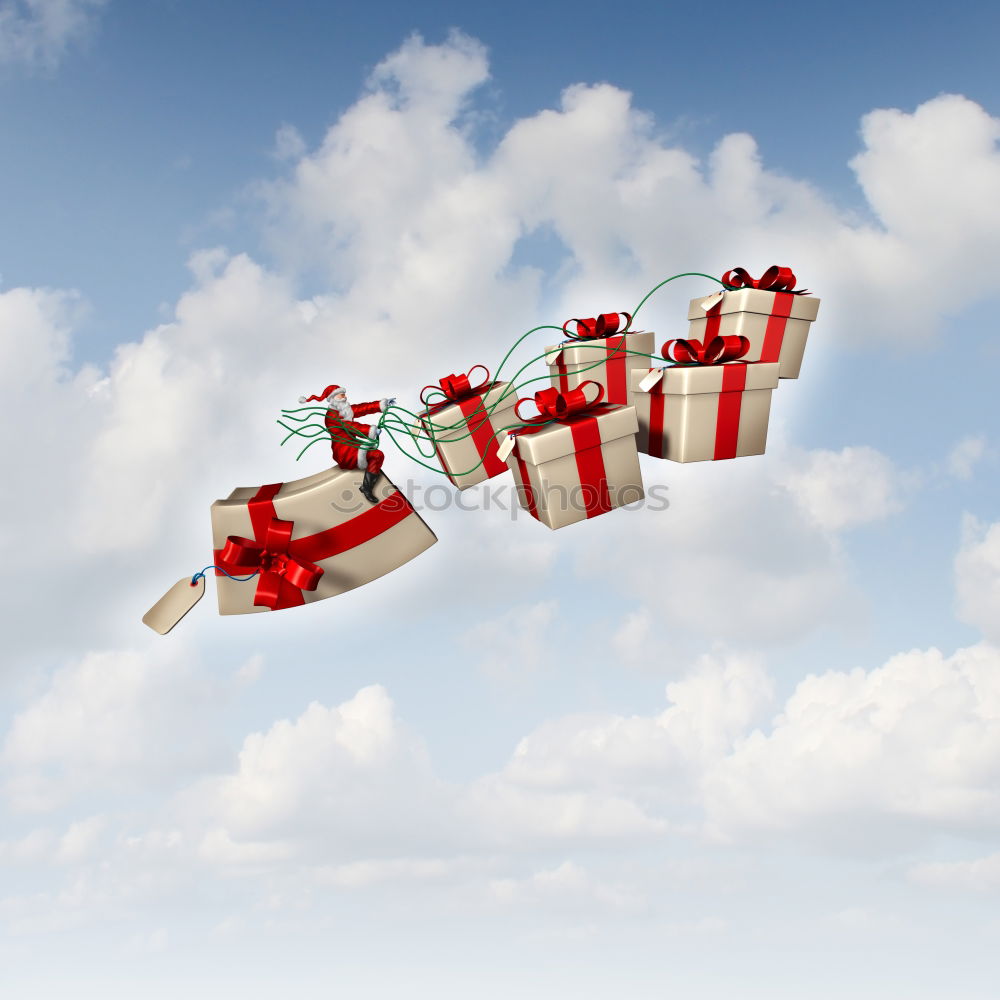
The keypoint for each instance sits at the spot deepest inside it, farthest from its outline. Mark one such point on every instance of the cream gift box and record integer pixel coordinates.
(775, 322)
(466, 432)
(606, 360)
(578, 467)
(700, 413)
(310, 539)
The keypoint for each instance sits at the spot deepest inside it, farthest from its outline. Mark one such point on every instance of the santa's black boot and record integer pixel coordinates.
(367, 485)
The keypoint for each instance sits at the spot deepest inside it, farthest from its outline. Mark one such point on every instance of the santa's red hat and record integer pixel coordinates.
(319, 399)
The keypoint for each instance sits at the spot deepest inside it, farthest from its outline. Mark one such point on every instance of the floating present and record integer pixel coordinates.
(598, 352)
(467, 425)
(773, 318)
(310, 539)
(577, 459)
(708, 408)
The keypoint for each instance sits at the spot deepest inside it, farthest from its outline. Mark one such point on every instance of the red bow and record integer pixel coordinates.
(278, 570)
(605, 325)
(774, 279)
(713, 352)
(457, 387)
(555, 405)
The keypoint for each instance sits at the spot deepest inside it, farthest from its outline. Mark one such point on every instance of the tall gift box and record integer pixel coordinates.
(704, 412)
(598, 352)
(310, 539)
(467, 426)
(577, 459)
(765, 310)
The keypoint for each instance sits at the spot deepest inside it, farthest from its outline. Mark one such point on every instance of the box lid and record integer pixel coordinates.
(555, 440)
(755, 300)
(589, 352)
(683, 380)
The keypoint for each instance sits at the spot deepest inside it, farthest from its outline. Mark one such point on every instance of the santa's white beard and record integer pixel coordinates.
(342, 407)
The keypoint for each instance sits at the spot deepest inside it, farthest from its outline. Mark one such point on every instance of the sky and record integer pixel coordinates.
(744, 746)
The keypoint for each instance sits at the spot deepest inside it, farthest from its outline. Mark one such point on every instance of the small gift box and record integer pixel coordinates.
(597, 352)
(310, 539)
(704, 410)
(773, 318)
(577, 459)
(467, 425)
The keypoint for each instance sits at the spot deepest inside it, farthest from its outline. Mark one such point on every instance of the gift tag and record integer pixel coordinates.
(503, 452)
(174, 605)
(707, 304)
(651, 379)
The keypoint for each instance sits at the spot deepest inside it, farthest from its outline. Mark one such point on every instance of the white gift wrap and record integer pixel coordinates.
(318, 503)
(546, 468)
(686, 403)
(606, 361)
(456, 448)
(775, 323)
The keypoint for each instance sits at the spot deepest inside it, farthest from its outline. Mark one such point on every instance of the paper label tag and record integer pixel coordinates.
(174, 605)
(707, 304)
(651, 379)
(506, 447)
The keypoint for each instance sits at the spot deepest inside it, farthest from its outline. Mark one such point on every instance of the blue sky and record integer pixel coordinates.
(747, 746)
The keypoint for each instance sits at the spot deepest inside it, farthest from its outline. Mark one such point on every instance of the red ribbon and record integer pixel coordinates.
(562, 406)
(456, 388)
(714, 351)
(287, 565)
(774, 279)
(599, 327)
(574, 410)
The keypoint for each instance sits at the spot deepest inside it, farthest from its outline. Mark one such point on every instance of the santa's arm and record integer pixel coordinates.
(363, 409)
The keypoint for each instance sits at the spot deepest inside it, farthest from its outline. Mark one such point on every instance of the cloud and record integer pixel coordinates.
(37, 33)
(844, 489)
(111, 721)
(865, 760)
(977, 576)
(512, 645)
(963, 458)
(978, 875)
(334, 783)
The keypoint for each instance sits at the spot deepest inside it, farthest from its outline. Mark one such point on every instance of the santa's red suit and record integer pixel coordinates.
(344, 429)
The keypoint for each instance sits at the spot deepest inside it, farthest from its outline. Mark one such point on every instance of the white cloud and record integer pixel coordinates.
(567, 888)
(37, 33)
(512, 645)
(844, 489)
(978, 875)
(864, 759)
(977, 576)
(630, 640)
(966, 454)
(333, 782)
(124, 719)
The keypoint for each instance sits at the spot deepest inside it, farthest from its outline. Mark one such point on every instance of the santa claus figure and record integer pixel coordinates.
(345, 430)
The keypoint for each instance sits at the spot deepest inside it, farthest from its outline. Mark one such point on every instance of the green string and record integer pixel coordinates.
(390, 420)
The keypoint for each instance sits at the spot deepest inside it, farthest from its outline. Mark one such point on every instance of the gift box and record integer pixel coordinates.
(704, 412)
(575, 461)
(773, 318)
(600, 354)
(310, 539)
(467, 426)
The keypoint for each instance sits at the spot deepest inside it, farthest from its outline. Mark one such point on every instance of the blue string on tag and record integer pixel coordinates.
(240, 579)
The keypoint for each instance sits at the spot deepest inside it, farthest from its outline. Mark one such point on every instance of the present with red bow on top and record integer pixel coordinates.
(309, 539)
(774, 318)
(708, 406)
(601, 350)
(467, 424)
(577, 458)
